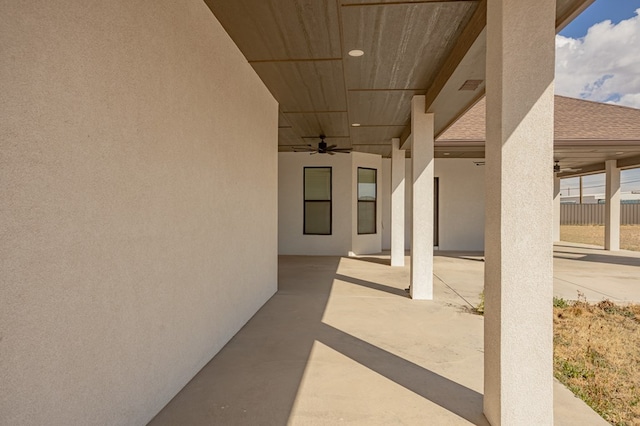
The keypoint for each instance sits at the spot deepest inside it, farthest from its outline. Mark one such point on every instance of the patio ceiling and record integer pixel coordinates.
(299, 48)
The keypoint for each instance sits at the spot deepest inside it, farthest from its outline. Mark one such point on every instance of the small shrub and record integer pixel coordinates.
(559, 302)
(574, 370)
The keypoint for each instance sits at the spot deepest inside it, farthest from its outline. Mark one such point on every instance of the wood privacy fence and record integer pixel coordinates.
(593, 214)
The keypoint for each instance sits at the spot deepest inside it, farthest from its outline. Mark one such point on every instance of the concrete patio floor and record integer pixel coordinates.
(341, 343)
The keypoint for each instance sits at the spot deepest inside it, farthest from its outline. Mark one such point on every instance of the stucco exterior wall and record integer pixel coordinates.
(408, 202)
(461, 209)
(291, 238)
(461, 204)
(344, 237)
(138, 163)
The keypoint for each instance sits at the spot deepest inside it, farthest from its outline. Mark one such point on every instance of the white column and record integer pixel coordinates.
(397, 203)
(556, 208)
(518, 384)
(612, 207)
(422, 208)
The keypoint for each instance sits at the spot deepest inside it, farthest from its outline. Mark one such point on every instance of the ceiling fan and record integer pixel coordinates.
(558, 169)
(322, 148)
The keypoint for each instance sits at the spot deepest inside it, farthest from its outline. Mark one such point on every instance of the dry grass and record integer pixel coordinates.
(594, 234)
(597, 356)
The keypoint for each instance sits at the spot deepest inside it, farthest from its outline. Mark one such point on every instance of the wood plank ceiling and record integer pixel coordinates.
(299, 48)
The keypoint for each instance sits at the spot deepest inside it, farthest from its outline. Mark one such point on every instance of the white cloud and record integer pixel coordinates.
(603, 66)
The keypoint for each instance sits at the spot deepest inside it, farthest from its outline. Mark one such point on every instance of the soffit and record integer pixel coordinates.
(299, 49)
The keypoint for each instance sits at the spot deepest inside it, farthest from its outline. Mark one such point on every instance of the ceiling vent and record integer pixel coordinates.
(470, 85)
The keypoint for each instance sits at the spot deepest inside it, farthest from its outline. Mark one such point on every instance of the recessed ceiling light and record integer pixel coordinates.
(447, 153)
(356, 52)
(355, 124)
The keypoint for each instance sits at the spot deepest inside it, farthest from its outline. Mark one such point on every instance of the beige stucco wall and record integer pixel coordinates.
(461, 204)
(138, 198)
(461, 210)
(344, 237)
(291, 238)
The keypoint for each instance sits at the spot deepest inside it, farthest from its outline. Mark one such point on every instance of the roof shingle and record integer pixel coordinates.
(575, 119)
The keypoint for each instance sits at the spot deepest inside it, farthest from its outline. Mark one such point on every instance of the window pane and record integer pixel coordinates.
(317, 183)
(366, 184)
(317, 217)
(366, 217)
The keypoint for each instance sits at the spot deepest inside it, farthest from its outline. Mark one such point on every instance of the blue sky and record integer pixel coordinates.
(598, 54)
(600, 61)
(600, 10)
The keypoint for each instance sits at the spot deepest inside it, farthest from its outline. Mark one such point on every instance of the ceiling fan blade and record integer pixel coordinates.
(331, 153)
(303, 148)
(332, 147)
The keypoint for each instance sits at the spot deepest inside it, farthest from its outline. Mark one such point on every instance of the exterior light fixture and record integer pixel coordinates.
(356, 52)
(355, 124)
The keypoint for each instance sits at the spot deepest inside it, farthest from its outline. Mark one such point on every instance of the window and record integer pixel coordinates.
(317, 200)
(367, 194)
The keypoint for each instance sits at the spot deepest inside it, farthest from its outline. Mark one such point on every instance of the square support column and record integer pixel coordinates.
(612, 207)
(518, 368)
(556, 208)
(397, 203)
(422, 207)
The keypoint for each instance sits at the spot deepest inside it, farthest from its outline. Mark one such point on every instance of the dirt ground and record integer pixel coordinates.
(597, 356)
(594, 234)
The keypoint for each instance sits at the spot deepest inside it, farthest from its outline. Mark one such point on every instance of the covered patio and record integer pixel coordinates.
(341, 342)
(140, 154)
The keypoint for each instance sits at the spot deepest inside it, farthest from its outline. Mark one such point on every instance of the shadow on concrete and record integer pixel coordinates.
(372, 285)
(255, 379)
(476, 256)
(378, 260)
(446, 393)
(597, 258)
(585, 246)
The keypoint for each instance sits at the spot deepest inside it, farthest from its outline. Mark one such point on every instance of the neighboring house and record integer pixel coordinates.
(139, 180)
